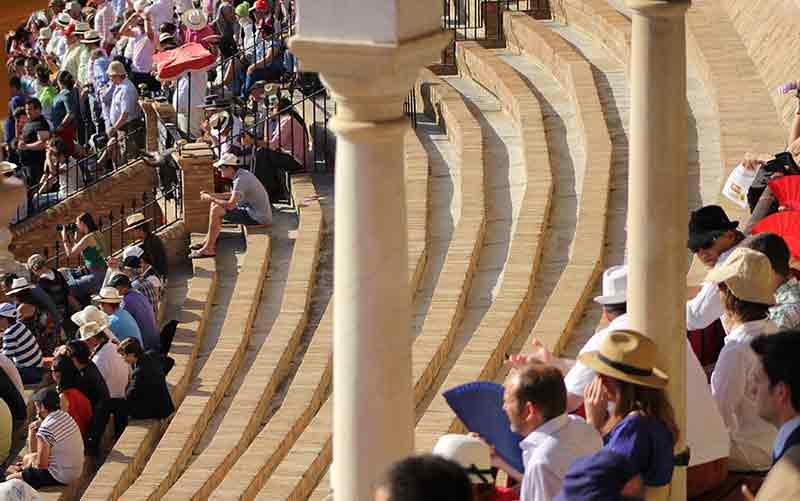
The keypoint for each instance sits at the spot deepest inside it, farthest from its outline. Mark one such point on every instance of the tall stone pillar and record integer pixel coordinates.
(12, 191)
(658, 196)
(369, 59)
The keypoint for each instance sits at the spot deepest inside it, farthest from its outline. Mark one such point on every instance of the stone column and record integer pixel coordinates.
(197, 174)
(373, 424)
(658, 196)
(12, 192)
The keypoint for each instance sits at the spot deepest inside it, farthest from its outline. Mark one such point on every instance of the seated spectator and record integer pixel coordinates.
(73, 402)
(92, 313)
(287, 135)
(51, 282)
(60, 169)
(147, 396)
(706, 434)
(474, 456)
(132, 266)
(91, 384)
(746, 285)
(712, 237)
(55, 447)
(88, 242)
(268, 64)
(777, 381)
(642, 425)
(11, 371)
(604, 475)
(119, 321)
(13, 398)
(38, 312)
(140, 309)
(786, 312)
(247, 203)
(154, 254)
(20, 346)
(535, 401)
(224, 130)
(426, 477)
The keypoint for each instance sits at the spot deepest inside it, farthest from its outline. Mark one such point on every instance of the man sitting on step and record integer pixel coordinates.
(706, 433)
(248, 203)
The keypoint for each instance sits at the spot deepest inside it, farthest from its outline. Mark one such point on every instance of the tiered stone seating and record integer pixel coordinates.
(129, 453)
(567, 301)
(416, 161)
(486, 348)
(190, 420)
(299, 472)
(251, 402)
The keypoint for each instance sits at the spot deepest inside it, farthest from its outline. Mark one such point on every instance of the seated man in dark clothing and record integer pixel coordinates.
(147, 395)
(12, 397)
(154, 253)
(91, 383)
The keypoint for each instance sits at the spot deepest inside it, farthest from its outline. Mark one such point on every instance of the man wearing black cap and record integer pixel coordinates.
(54, 443)
(712, 236)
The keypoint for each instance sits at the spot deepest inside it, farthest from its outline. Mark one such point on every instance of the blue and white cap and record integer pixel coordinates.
(8, 310)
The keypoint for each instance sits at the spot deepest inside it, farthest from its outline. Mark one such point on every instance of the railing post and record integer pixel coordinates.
(196, 176)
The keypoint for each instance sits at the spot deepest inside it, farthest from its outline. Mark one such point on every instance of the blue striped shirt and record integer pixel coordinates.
(21, 347)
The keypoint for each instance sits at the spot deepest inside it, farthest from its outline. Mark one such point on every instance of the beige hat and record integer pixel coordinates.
(472, 453)
(6, 167)
(36, 261)
(116, 68)
(89, 314)
(135, 220)
(91, 36)
(628, 356)
(748, 275)
(18, 285)
(107, 295)
(90, 330)
(81, 28)
(194, 19)
(45, 34)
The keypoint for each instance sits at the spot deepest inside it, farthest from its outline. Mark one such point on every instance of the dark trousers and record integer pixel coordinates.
(97, 426)
(153, 85)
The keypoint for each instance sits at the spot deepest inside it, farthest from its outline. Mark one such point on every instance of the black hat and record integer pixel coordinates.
(706, 224)
(120, 280)
(48, 397)
(132, 262)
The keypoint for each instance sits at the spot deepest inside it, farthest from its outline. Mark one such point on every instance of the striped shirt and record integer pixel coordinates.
(63, 436)
(143, 285)
(21, 347)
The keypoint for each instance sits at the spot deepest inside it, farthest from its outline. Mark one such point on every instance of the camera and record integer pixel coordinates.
(782, 163)
(71, 227)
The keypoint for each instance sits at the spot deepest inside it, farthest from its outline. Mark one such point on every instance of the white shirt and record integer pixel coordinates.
(703, 309)
(161, 12)
(113, 368)
(141, 49)
(706, 434)
(549, 450)
(197, 92)
(735, 392)
(182, 6)
(103, 21)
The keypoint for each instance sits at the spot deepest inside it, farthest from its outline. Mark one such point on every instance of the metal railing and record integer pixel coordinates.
(483, 19)
(410, 107)
(77, 175)
(164, 208)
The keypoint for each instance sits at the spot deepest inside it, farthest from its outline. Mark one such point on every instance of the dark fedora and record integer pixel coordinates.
(706, 224)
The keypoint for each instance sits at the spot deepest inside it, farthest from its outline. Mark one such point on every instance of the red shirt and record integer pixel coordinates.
(190, 36)
(79, 408)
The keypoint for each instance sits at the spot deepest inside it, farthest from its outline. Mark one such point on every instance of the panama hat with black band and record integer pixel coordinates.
(136, 220)
(629, 356)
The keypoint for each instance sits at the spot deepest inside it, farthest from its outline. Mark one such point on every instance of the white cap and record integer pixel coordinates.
(472, 453)
(615, 286)
(227, 159)
(132, 251)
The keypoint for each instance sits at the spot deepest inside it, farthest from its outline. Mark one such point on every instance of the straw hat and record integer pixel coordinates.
(220, 121)
(81, 28)
(45, 34)
(6, 167)
(108, 295)
(615, 285)
(36, 261)
(91, 36)
(748, 275)
(135, 220)
(90, 313)
(90, 330)
(63, 19)
(116, 68)
(194, 19)
(472, 453)
(629, 356)
(18, 285)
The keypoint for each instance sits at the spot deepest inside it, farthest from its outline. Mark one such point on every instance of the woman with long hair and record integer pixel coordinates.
(642, 425)
(73, 401)
(88, 243)
(746, 289)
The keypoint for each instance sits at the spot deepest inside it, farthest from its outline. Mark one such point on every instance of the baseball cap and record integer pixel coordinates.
(8, 310)
(227, 159)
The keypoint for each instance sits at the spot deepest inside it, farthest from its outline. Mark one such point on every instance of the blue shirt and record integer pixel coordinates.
(648, 444)
(124, 99)
(13, 104)
(783, 435)
(99, 69)
(142, 311)
(64, 104)
(123, 326)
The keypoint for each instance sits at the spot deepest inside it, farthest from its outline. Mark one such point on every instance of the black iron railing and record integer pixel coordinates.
(77, 175)
(410, 107)
(164, 208)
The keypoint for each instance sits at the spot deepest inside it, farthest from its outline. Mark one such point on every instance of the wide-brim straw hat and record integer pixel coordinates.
(6, 167)
(135, 221)
(629, 356)
(45, 34)
(220, 121)
(81, 28)
(748, 275)
(90, 313)
(18, 285)
(90, 330)
(91, 36)
(116, 68)
(194, 19)
(63, 19)
(107, 295)
(35, 262)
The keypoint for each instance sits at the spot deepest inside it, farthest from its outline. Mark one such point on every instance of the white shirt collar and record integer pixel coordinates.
(785, 430)
(749, 329)
(547, 429)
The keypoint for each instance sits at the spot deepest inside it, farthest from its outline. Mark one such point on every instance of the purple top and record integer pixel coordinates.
(647, 443)
(141, 310)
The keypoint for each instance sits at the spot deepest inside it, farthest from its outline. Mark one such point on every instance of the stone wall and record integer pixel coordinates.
(38, 232)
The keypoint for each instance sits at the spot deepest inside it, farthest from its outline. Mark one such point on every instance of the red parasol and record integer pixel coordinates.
(784, 223)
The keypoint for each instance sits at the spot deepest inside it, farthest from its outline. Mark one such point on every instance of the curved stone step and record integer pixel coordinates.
(212, 381)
